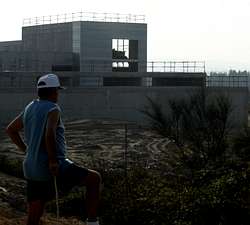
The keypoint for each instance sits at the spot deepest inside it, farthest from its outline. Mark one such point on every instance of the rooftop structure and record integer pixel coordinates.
(84, 16)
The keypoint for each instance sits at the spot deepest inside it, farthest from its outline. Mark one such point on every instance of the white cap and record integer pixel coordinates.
(49, 80)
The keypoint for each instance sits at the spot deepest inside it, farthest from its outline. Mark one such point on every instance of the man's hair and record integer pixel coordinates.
(45, 93)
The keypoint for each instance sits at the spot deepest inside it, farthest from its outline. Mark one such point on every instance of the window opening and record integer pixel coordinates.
(120, 49)
(124, 54)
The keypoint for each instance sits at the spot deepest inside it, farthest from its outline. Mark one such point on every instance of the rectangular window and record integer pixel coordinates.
(120, 49)
(124, 55)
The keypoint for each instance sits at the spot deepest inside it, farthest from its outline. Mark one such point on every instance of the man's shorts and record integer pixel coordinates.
(66, 180)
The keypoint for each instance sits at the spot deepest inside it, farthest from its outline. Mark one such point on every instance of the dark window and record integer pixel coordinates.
(124, 54)
(120, 49)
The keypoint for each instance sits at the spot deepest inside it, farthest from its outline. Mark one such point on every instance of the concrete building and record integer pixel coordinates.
(53, 44)
(94, 45)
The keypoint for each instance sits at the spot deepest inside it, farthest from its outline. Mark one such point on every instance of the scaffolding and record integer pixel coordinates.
(84, 16)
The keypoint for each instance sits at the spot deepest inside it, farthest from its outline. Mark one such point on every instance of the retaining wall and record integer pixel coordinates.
(118, 103)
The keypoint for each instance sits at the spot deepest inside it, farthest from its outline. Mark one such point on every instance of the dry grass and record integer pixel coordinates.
(11, 218)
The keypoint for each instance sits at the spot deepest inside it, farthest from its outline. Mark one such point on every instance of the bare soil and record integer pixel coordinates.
(110, 143)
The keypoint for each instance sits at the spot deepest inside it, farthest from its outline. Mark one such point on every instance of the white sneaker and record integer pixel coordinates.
(92, 223)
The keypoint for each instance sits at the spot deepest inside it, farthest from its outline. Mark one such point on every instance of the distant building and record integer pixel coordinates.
(78, 42)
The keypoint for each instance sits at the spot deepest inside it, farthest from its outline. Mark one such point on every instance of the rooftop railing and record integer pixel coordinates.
(176, 66)
(84, 16)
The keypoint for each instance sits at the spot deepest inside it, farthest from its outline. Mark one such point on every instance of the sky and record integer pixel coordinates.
(214, 31)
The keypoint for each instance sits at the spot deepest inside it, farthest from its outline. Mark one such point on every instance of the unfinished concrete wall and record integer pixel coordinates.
(49, 38)
(120, 103)
(9, 46)
(96, 42)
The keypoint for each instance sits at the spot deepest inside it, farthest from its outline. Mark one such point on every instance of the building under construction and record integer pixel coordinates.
(77, 42)
(93, 54)
(87, 43)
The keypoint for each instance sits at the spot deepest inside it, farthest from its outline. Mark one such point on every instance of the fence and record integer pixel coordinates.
(176, 66)
(227, 81)
(84, 16)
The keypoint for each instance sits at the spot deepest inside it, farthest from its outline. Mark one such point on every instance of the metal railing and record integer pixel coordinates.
(177, 66)
(84, 16)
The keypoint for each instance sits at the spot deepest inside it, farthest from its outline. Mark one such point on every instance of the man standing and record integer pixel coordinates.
(45, 150)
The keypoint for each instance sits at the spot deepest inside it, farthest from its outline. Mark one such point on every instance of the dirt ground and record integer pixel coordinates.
(88, 141)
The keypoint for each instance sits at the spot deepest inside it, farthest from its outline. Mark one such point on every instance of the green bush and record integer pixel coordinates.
(212, 181)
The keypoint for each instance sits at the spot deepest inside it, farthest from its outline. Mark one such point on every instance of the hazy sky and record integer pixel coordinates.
(216, 31)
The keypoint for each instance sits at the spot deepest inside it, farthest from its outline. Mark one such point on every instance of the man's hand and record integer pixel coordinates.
(54, 168)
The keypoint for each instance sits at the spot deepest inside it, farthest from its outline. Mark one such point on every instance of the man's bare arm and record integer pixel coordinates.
(50, 140)
(13, 130)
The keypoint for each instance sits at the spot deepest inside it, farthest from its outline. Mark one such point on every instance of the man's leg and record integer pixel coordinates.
(74, 175)
(35, 211)
(93, 186)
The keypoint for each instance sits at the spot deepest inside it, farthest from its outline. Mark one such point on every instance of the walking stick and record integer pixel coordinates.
(57, 202)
